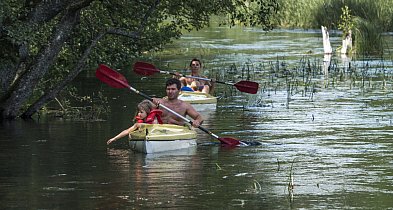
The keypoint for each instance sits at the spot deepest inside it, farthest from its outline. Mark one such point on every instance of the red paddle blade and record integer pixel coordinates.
(145, 69)
(111, 77)
(229, 141)
(247, 86)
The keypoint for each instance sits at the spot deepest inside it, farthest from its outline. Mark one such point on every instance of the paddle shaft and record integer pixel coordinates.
(194, 77)
(148, 69)
(173, 112)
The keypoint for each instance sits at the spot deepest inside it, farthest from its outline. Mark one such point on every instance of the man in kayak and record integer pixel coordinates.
(171, 101)
(195, 84)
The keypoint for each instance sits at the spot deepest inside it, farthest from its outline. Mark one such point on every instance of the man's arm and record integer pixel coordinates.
(183, 81)
(196, 116)
(157, 101)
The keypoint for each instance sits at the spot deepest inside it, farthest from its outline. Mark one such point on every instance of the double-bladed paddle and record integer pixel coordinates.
(117, 80)
(147, 69)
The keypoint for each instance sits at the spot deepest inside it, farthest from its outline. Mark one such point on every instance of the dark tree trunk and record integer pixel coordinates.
(22, 89)
(51, 94)
(16, 55)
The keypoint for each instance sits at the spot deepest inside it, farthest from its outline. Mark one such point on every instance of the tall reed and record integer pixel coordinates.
(314, 13)
(368, 38)
(371, 18)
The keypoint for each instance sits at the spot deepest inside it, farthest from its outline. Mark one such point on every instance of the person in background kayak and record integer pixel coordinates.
(195, 84)
(147, 113)
(171, 101)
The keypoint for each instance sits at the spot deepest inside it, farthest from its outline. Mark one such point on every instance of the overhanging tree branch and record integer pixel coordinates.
(122, 32)
(138, 25)
(51, 94)
(22, 89)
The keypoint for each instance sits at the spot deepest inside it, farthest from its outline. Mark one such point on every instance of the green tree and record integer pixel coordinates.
(45, 44)
(346, 21)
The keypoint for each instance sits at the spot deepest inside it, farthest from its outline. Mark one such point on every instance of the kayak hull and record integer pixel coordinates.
(156, 138)
(199, 100)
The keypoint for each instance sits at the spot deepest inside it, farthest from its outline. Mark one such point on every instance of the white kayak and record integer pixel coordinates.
(199, 100)
(155, 138)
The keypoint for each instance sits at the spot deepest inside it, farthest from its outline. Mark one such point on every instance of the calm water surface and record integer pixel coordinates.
(334, 144)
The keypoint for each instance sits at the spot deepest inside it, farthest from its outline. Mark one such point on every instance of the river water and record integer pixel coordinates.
(326, 135)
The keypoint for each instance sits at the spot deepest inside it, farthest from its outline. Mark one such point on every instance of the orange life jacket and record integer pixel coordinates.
(154, 114)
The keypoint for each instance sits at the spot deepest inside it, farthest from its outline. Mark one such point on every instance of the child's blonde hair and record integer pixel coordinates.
(146, 106)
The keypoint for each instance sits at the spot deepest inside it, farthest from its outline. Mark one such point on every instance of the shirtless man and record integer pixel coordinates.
(195, 84)
(172, 102)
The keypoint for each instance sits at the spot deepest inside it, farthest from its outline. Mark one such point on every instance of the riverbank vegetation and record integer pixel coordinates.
(70, 105)
(46, 44)
(365, 20)
(311, 14)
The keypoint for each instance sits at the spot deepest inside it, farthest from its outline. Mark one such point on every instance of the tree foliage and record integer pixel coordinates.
(45, 44)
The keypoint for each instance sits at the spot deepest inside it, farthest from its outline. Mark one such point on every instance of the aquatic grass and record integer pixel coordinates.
(218, 168)
(291, 185)
(257, 186)
(303, 78)
(71, 106)
(368, 38)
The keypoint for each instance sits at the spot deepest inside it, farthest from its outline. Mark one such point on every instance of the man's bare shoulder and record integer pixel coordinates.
(189, 106)
(183, 103)
(163, 100)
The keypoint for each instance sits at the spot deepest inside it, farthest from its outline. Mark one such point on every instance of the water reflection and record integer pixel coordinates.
(157, 179)
(327, 58)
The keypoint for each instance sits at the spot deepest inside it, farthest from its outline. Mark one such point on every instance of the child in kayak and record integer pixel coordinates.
(147, 113)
